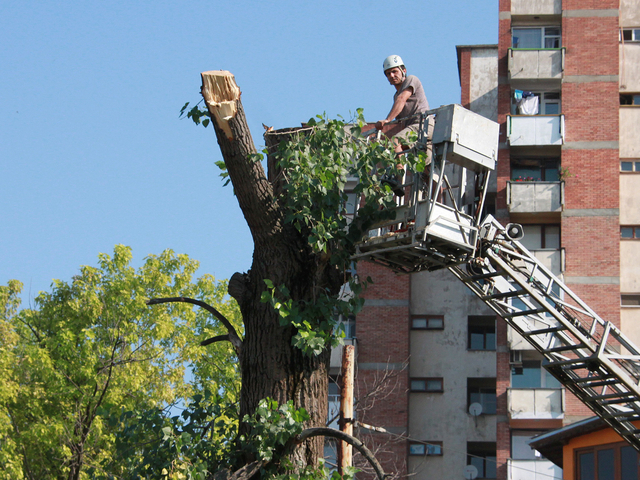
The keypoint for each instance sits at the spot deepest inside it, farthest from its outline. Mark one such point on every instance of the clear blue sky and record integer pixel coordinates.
(92, 152)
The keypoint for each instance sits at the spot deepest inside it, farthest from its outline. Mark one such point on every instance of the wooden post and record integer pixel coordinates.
(346, 407)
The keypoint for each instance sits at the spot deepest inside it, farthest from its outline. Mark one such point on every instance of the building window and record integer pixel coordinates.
(333, 411)
(536, 37)
(532, 169)
(530, 373)
(427, 322)
(482, 455)
(331, 454)
(629, 99)
(630, 300)
(425, 448)
(351, 206)
(431, 385)
(520, 448)
(548, 104)
(489, 207)
(347, 325)
(538, 237)
(482, 391)
(482, 332)
(630, 165)
(631, 34)
(630, 232)
(607, 462)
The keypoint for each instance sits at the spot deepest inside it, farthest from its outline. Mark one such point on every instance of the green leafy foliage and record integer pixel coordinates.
(92, 348)
(196, 114)
(313, 320)
(272, 426)
(329, 168)
(199, 441)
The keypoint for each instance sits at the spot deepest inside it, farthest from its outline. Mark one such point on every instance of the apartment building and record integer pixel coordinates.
(467, 393)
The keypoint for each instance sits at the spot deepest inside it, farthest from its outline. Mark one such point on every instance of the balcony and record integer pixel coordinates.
(535, 197)
(535, 403)
(529, 65)
(532, 470)
(532, 130)
(539, 7)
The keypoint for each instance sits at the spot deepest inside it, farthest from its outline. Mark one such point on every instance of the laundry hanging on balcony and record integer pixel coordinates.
(528, 103)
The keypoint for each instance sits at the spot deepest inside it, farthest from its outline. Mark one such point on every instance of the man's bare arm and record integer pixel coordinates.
(398, 105)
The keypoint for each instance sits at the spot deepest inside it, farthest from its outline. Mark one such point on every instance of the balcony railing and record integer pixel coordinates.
(535, 403)
(533, 470)
(535, 197)
(529, 64)
(527, 130)
(539, 7)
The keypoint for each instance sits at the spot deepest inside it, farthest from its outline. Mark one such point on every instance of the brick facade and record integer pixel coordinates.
(383, 352)
(589, 239)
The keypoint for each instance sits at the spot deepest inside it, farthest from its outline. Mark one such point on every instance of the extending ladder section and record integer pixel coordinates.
(589, 356)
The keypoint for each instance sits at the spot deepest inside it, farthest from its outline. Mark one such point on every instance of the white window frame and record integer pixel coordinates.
(544, 36)
(544, 99)
(635, 34)
(630, 165)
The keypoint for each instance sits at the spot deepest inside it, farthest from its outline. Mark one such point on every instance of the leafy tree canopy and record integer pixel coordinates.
(92, 349)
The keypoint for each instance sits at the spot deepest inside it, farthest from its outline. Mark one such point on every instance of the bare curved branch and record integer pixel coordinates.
(234, 338)
(217, 338)
(353, 441)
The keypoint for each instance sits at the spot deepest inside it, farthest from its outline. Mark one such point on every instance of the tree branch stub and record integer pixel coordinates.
(221, 93)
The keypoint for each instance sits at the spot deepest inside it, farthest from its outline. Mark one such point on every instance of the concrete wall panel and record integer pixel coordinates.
(629, 267)
(629, 200)
(630, 67)
(540, 7)
(630, 318)
(484, 83)
(629, 138)
(630, 13)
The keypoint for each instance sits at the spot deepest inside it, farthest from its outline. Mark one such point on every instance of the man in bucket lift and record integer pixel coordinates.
(408, 101)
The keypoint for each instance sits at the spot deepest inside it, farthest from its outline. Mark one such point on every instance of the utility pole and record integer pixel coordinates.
(346, 407)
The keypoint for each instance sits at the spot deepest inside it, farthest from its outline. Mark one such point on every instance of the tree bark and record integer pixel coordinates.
(270, 365)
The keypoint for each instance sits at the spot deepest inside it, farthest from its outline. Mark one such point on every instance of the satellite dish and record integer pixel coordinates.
(470, 472)
(475, 409)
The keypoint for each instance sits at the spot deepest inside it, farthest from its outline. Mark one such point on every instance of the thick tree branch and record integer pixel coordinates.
(253, 191)
(357, 444)
(217, 338)
(234, 338)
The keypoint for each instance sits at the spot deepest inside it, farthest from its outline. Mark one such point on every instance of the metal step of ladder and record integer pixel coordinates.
(589, 356)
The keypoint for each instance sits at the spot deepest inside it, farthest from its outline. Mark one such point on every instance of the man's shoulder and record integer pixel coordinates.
(413, 82)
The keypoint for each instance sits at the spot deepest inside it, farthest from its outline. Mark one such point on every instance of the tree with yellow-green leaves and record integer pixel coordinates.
(92, 358)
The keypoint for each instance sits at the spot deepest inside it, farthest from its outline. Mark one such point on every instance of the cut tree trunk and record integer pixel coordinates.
(270, 365)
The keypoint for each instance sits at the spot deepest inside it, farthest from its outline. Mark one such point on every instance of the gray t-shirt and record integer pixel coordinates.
(416, 103)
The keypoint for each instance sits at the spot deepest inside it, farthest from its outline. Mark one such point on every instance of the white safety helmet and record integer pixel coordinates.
(392, 61)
